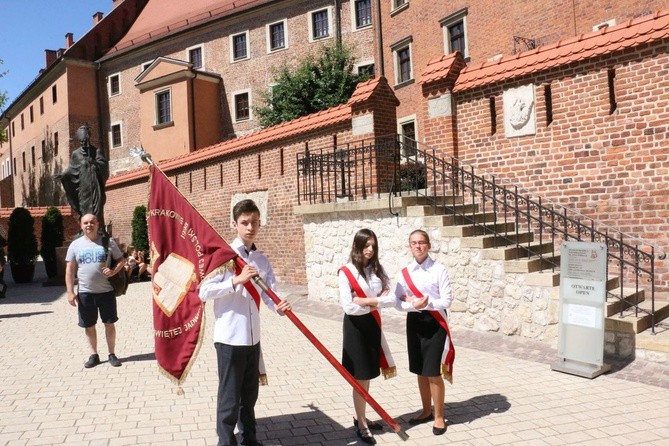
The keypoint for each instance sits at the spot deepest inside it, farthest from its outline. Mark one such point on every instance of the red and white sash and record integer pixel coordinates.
(448, 356)
(387, 363)
(253, 291)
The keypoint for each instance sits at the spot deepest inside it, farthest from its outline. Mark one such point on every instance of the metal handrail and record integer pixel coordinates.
(534, 226)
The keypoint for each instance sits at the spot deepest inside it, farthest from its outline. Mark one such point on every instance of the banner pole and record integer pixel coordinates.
(331, 359)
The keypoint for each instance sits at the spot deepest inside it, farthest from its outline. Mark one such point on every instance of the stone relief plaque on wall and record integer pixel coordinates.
(519, 111)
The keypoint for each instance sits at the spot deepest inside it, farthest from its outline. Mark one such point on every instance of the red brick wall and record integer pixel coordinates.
(611, 167)
(490, 28)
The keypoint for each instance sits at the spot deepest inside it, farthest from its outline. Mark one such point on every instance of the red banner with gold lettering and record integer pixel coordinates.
(184, 250)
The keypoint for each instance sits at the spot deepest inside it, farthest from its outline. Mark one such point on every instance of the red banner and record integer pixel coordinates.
(184, 250)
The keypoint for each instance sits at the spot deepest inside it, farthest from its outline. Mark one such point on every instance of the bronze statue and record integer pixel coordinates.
(85, 177)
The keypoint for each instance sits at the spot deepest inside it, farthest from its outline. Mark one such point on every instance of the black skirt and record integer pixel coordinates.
(425, 342)
(362, 346)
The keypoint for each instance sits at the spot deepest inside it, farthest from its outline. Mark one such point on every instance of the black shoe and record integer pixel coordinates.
(93, 360)
(366, 436)
(439, 430)
(417, 421)
(372, 425)
(114, 361)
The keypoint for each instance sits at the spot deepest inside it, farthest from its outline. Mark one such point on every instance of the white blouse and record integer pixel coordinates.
(372, 288)
(431, 279)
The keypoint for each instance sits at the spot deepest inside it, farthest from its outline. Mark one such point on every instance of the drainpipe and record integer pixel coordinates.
(192, 113)
(379, 39)
(11, 158)
(337, 20)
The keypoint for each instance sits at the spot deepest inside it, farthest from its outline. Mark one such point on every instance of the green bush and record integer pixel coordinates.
(52, 237)
(140, 230)
(21, 240)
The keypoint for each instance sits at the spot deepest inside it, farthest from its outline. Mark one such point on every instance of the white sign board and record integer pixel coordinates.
(582, 307)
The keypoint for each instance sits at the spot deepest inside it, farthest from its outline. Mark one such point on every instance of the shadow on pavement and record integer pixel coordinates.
(32, 292)
(475, 408)
(142, 357)
(34, 313)
(317, 426)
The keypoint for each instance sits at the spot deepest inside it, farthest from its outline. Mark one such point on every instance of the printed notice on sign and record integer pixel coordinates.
(582, 315)
(584, 261)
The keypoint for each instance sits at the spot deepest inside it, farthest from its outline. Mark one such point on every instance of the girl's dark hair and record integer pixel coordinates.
(359, 241)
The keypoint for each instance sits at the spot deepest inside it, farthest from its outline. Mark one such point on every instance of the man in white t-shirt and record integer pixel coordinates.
(87, 260)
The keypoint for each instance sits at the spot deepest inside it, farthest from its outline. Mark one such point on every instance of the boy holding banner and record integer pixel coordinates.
(236, 302)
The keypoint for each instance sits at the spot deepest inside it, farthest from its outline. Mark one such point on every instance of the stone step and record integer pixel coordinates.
(429, 210)
(453, 220)
(513, 252)
(614, 305)
(531, 264)
(418, 200)
(492, 241)
(543, 278)
(473, 230)
(636, 322)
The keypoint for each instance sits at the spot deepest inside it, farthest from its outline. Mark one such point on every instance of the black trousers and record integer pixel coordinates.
(237, 391)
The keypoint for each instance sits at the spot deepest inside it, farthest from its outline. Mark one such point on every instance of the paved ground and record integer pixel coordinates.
(504, 391)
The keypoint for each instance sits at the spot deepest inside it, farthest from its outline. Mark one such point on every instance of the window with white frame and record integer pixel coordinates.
(196, 56)
(319, 24)
(114, 83)
(242, 103)
(239, 46)
(407, 130)
(366, 67)
(362, 13)
(455, 33)
(163, 107)
(396, 4)
(115, 134)
(276, 36)
(402, 61)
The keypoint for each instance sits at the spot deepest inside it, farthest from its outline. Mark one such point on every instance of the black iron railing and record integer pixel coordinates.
(511, 215)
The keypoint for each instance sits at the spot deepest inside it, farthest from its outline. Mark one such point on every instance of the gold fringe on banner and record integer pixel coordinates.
(179, 382)
(448, 375)
(389, 372)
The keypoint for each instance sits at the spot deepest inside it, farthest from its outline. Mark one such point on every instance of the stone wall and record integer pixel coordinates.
(486, 298)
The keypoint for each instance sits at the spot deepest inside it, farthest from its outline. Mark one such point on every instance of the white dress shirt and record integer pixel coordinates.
(372, 288)
(237, 317)
(431, 279)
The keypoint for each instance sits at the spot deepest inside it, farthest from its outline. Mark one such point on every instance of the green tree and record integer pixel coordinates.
(318, 83)
(140, 230)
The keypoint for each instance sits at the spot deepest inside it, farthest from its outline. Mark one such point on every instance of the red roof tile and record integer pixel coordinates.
(365, 90)
(441, 68)
(40, 211)
(160, 18)
(578, 48)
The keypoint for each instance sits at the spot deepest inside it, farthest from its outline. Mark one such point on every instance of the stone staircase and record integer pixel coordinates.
(624, 322)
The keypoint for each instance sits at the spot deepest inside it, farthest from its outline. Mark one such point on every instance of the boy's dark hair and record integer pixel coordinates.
(244, 207)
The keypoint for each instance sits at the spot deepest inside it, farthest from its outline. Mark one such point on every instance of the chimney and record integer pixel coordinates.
(97, 17)
(50, 56)
(69, 40)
